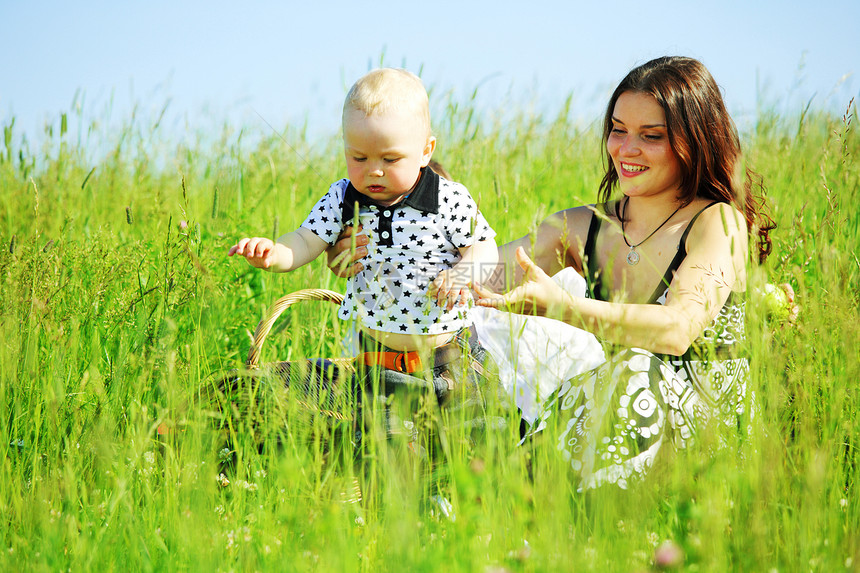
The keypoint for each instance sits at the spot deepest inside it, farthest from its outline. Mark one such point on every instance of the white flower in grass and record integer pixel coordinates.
(250, 486)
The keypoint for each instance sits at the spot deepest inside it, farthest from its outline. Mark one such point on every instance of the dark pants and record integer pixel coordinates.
(456, 386)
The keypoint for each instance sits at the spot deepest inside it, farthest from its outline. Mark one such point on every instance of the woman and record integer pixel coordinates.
(665, 265)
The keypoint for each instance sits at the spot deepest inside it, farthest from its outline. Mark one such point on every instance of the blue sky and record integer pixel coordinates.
(292, 61)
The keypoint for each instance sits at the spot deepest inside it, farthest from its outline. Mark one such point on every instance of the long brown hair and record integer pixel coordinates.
(702, 135)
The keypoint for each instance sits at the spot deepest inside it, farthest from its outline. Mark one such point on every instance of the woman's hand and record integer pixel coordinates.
(793, 309)
(537, 295)
(342, 259)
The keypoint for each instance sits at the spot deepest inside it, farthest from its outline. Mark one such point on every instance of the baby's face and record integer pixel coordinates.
(385, 153)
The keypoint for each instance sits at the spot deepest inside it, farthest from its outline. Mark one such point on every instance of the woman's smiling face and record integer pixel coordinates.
(639, 147)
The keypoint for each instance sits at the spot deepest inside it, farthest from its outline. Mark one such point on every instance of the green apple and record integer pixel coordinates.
(776, 303)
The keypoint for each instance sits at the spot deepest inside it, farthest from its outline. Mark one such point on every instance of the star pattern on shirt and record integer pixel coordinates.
(391, 292)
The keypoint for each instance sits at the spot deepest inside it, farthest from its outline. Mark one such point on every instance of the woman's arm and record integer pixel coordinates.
(557, 243)
(647, 326)
(714, 266)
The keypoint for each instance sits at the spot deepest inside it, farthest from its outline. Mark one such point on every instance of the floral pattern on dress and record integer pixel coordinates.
(610, 423)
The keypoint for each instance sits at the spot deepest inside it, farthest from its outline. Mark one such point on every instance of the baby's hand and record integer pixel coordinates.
(449, 289)
(258, 251)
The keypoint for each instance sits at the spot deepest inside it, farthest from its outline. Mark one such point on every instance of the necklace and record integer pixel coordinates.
(633, 256)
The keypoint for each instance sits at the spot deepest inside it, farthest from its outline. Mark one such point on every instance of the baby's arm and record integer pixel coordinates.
(291, 251)
(477, 264)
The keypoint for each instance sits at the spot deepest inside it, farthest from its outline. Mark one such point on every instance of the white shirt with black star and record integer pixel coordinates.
(410, 244)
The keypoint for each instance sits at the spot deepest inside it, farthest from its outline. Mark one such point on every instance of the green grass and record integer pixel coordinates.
(119, 305)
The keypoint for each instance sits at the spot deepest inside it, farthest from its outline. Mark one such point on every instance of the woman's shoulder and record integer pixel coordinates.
(567, 231)
(716, 224)
(710, 215)
(579, 217)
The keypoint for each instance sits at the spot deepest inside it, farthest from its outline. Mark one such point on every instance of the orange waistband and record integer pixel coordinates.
(407, 362)
(410, 362)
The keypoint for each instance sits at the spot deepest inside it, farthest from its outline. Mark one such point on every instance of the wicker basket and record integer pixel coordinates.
(282, 304)
(262, 400)
(255, 398)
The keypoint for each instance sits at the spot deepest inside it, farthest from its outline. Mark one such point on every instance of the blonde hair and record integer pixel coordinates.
(385, 89)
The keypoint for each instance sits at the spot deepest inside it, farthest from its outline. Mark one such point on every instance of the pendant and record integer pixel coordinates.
(632, 257)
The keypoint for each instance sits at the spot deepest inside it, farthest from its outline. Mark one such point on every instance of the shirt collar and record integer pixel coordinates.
(424, 196)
